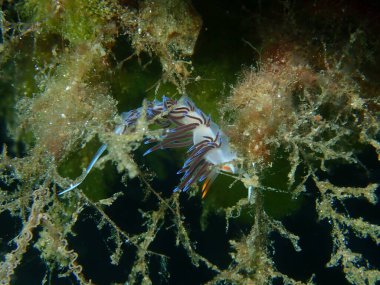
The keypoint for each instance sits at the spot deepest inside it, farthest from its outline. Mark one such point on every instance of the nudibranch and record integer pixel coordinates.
(184, 125)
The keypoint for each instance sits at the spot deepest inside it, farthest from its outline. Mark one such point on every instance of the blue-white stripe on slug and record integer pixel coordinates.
(185, 126)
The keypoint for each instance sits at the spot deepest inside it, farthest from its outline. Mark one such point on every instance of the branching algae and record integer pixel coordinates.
(308, 100)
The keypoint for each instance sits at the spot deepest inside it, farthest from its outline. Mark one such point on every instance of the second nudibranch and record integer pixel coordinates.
(184, 126)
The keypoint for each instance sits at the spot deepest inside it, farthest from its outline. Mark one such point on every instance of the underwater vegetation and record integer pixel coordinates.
(293, 87)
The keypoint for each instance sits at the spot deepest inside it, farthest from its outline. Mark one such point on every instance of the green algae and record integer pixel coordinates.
(76, 21)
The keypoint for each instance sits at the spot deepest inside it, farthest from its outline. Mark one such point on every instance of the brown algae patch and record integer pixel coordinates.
(70, 109)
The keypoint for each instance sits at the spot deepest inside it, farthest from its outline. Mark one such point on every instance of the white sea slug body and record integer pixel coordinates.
(184, 126)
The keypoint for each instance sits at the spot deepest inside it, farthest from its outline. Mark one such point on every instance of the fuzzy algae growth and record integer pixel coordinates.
(299, 110)
(285, 108)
